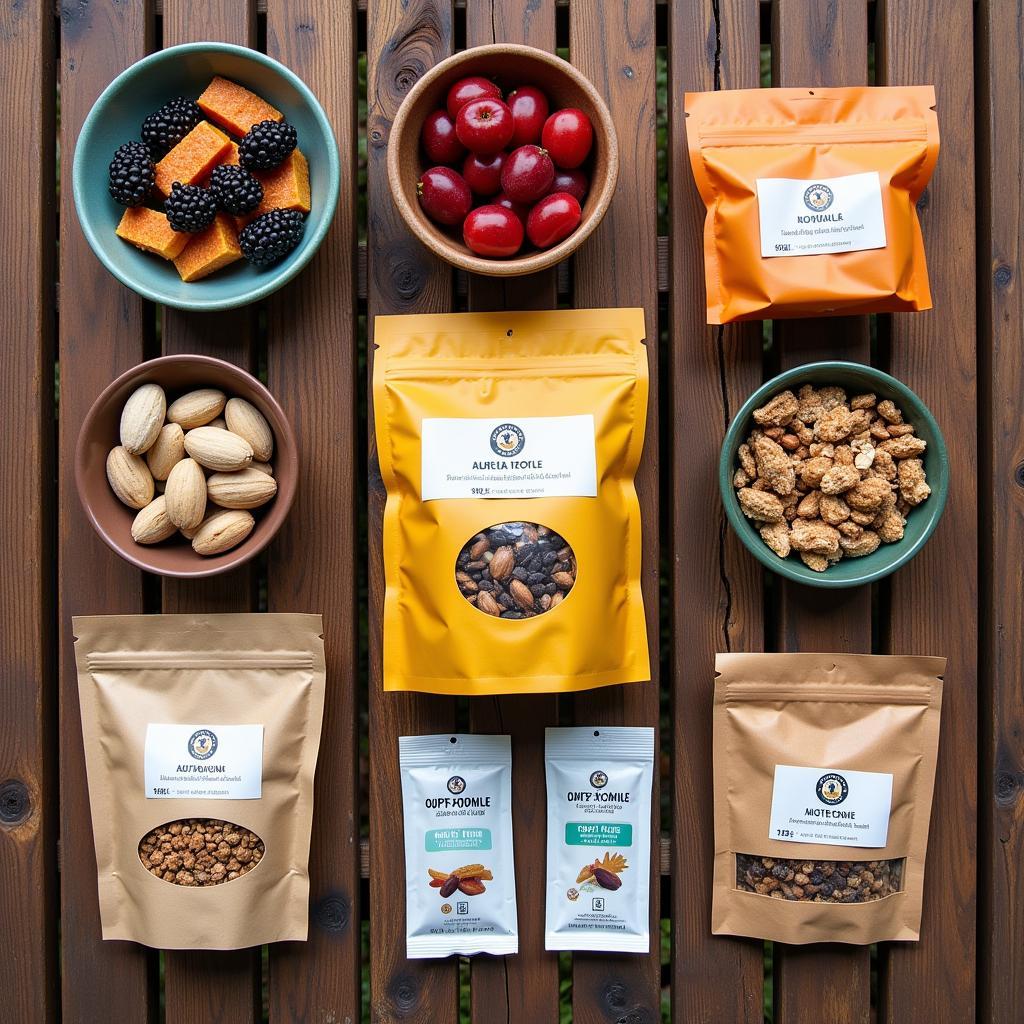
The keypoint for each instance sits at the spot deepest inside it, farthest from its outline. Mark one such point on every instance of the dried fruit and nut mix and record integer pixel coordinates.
(826, 475)
(460, 878)
(193, 723)
(811, 199)
(508, 443)
(824, 766)
(599, 838)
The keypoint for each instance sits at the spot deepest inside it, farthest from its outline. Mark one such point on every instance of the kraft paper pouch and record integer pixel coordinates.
(508, 443)
(460, 879)
(201, 736)
(824, 768)
(811, 199)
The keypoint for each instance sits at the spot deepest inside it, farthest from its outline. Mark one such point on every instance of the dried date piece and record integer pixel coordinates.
(818, 881)
(200, 851)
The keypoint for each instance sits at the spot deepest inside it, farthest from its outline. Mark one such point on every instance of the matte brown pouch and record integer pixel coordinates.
(201, 737)
(824, 769)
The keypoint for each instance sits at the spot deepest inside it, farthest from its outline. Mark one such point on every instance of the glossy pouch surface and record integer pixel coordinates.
(810, 197)
(508, 443)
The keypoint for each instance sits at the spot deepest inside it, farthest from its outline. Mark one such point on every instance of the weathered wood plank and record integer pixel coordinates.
(934, 352)
(716, 584)
(403, 42)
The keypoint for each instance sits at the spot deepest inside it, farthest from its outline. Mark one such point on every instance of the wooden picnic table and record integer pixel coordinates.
(961, 597)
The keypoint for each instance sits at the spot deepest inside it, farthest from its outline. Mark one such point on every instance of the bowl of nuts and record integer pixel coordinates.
(834, 474)
(186, 466)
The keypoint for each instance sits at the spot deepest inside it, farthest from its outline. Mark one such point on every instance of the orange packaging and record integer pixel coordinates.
(811, 199)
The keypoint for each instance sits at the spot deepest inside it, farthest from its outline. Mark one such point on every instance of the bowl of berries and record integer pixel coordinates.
(503, 160)
(205, 176)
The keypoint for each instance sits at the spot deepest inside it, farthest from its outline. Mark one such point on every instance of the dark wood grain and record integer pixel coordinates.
(821, 43)
(716, 586)
(1001, 500)
(934, 598)
(101, 332)
(28, 767)
(404, 40)
(613, 44)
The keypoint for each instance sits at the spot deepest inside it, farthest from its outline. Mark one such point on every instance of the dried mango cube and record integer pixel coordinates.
(284, 188)
(234, 107)
(230, 158)
(209, 250)
(193, 158)
(149, 230)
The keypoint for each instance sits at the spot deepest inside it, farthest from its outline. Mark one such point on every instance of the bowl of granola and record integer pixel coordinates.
(834, 474)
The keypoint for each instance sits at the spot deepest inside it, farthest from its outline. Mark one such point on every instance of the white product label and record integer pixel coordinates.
(820, 215)
(833, 807)
(519, 457)
(207, 762)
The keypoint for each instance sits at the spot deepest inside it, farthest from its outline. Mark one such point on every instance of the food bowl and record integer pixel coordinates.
(855, 378)
(112, 520)
(117, 116)
(513, 65)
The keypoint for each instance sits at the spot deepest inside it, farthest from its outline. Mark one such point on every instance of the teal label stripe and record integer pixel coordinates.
(440, 839)
(605, 833)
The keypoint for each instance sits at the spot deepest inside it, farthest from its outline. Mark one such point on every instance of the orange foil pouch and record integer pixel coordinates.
(811, 199)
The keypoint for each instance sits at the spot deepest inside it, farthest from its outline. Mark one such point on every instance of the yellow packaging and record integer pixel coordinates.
(508, 443)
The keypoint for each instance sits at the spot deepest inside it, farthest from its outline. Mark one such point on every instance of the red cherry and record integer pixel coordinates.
(484, 126)
(467, 89)
(529, 108)
(444, 195)
(568, 136)
(493, 230)
(573, 182)
(483, 173)
(527, 174)
(555, 217)
(521, 210)
(440, 142)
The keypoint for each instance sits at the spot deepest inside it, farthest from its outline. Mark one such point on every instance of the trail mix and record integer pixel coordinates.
(469, 880)
(826, 476)
(200, 851)
(820, 881)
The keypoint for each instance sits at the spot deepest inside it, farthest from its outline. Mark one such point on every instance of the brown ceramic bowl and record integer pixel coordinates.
(100, 433)
(511, 65)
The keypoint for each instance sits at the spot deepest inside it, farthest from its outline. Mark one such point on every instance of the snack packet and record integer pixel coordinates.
(811, 199)
(508, 443)
(824, 767)
(460, 880)
(599, 838)
(201, 736)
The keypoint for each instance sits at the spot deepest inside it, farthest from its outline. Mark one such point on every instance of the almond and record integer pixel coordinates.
(152, 524)
(245, 420)
(218, 422)
(186, 494)
(263, 467)
(196, 408)
(503, 562)
(168, 449)
(563, 580)
(248, 488)
(217, 449)
(130, 478)
(222, 531)
(521, 594)
(142, 417)
(487, 604)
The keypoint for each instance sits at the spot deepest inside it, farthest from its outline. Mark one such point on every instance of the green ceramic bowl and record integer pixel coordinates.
(117, 116)
(921, 522)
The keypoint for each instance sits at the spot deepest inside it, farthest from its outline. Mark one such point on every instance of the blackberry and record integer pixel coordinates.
(235, 189)
(271, 237)
(131, 174)
(190, 207)
(167, 126)
(266, 145)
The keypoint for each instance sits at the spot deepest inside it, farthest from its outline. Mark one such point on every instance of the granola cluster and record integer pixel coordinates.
(200, 851)
(819, 881)
(824, 475)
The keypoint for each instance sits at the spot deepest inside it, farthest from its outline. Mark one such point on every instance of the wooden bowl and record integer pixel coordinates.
(514, 65)
(100, 432)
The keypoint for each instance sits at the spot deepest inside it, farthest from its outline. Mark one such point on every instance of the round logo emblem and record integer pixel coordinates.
(832, 789)
(598, 780)
(573, 895)
(818, 198)
(446, 908)
(456, 784)
(202, 744)
(507, 440)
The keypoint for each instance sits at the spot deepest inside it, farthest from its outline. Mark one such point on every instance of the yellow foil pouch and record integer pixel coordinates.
(508, 443)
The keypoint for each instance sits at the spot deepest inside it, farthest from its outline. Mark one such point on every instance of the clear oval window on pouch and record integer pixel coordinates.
(515, 570)
(200, 851)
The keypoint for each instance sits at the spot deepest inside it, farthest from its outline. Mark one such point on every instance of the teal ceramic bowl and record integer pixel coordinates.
(117, 116)
(921, 521)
